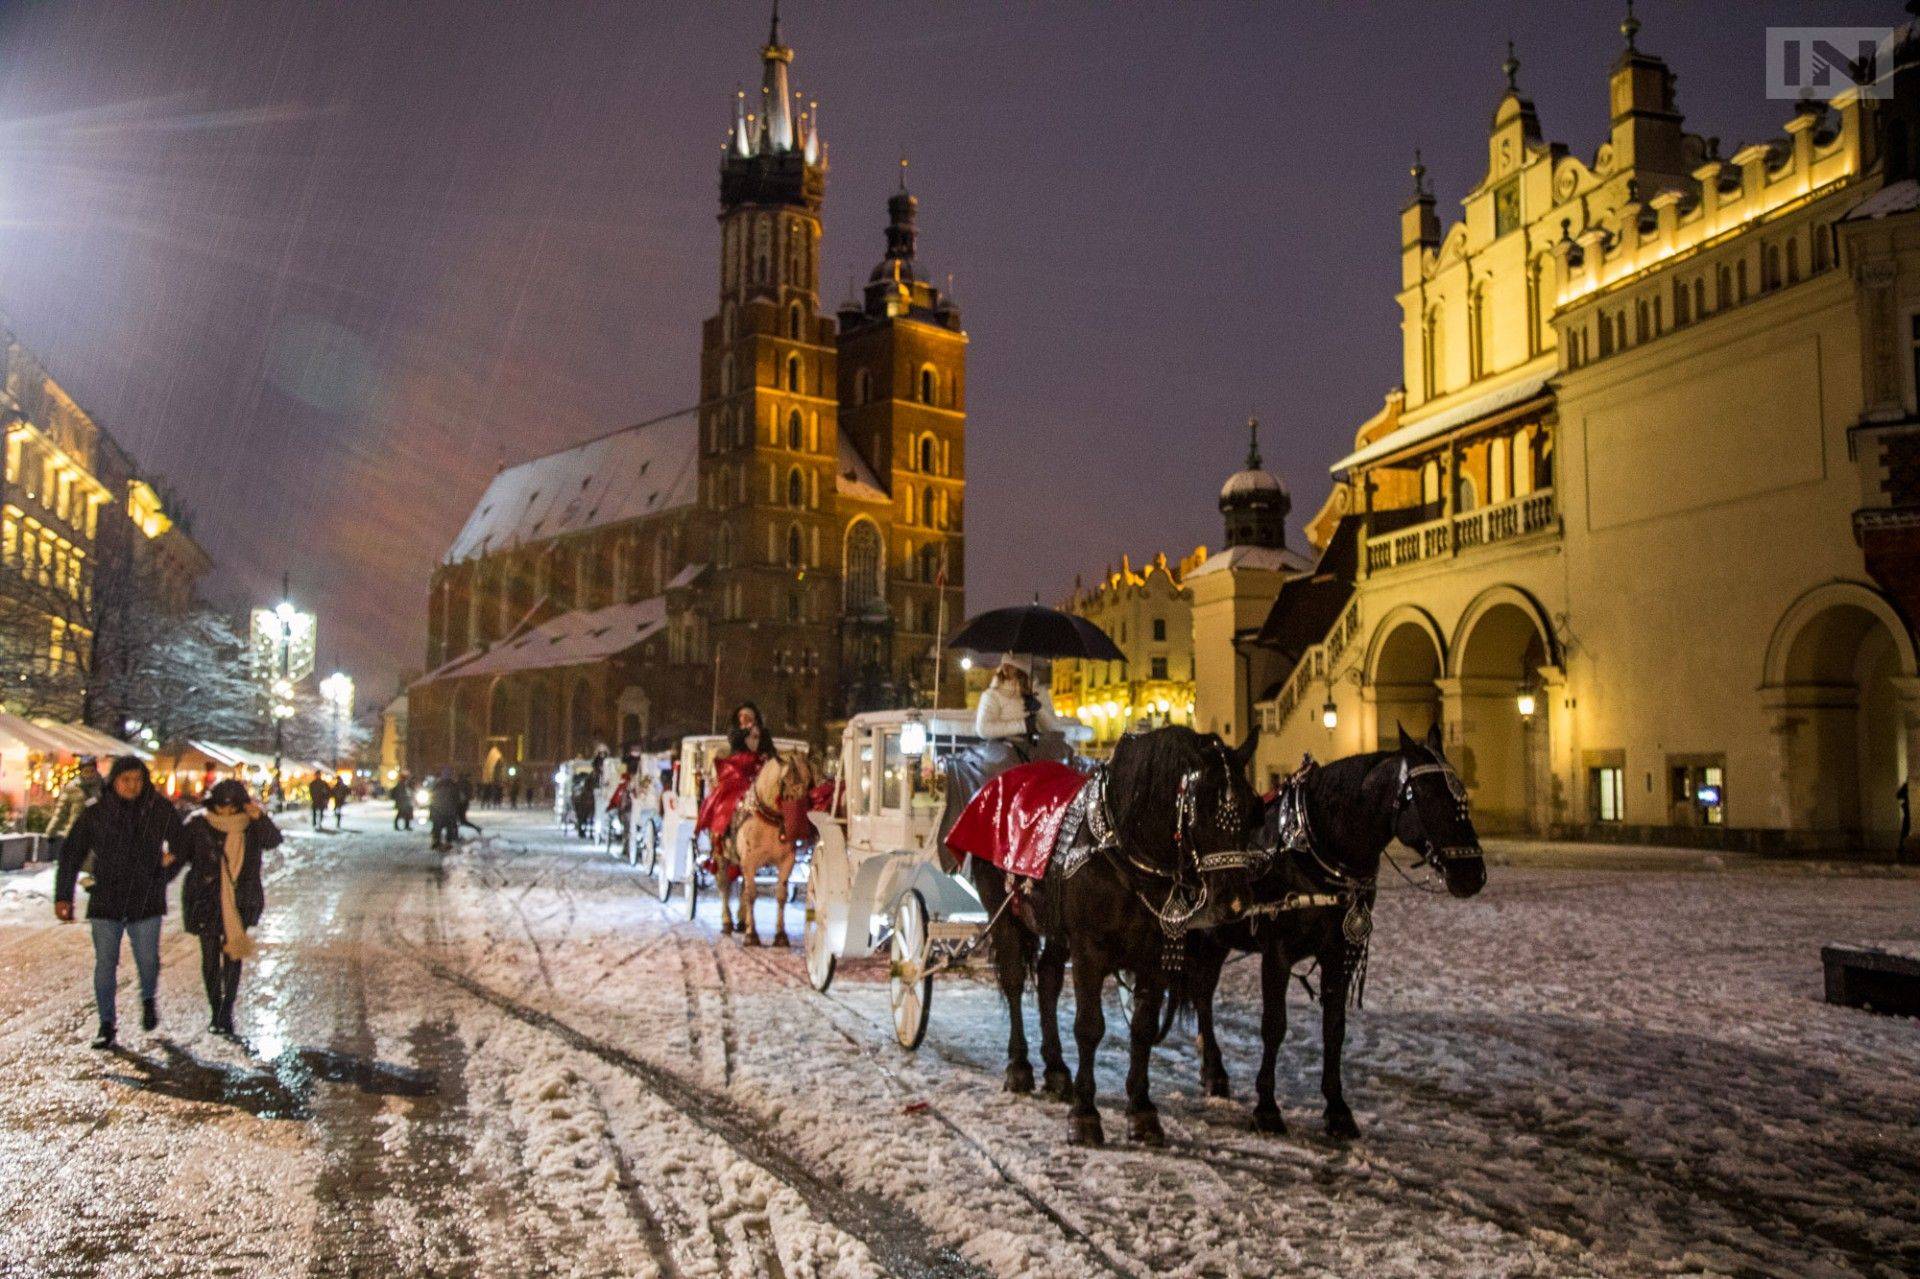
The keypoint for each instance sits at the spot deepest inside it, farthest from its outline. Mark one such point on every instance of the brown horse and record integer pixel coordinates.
(769, 823)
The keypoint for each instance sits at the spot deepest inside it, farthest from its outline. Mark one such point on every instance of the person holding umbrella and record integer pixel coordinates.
(1011, 708)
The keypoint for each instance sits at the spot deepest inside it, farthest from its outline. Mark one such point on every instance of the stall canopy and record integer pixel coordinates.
(23, 736)
(78, 739)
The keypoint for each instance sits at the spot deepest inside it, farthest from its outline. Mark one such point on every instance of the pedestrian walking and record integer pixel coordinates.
(81, 789)
(339, 794)
(223, 896)
(403, 803)
(318, 794)
(443, 811)
(463, 791)
(130, 831)
(513, 796)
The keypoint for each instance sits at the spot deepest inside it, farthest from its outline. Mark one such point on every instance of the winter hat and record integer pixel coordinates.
(229, 792)
(1019, 662)
(129, 764)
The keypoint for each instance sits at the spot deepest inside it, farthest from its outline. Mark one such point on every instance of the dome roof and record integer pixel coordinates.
(1250, 482)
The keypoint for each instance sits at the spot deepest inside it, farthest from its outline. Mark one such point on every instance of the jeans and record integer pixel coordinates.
(144, 934)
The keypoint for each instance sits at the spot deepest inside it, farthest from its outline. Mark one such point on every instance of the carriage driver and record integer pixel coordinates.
(1011, 709)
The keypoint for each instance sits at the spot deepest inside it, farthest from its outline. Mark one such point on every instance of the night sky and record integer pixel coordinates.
(326, 265)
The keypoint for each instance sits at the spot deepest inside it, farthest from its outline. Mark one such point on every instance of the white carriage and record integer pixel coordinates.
(877, 879)
(680, 847)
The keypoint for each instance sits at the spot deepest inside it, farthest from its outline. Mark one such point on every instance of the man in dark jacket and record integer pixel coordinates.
(443, 807)
(318, 793)
(131, 831)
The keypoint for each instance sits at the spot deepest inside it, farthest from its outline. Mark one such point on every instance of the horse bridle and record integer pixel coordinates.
(1433, 854)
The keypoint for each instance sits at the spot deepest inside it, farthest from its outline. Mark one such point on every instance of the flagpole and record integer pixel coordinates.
(940, 625)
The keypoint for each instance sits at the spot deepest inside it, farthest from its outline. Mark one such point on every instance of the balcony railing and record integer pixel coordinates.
(1528, 516)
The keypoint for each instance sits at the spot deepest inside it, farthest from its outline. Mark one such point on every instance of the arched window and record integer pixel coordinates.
(793, 372)
(863, 387)
(726, 374)
(926, 454)
(796, 548)
(796, 488)
(1793, 261)
(796, 431)
(1466, 497)
(926, 384)
(793, 322)
(1430, 484)
(865, 564)
(929, 562)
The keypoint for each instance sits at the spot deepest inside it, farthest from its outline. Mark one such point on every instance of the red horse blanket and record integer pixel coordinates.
(1015, 819)
(736, 773)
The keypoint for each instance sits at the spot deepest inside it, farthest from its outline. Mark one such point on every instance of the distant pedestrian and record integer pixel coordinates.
(130, 831)
(318, 795)
(443, 810)
(81, 789)
(463, 791)
(223, 896)
(403, 803)
(339, 794)
(513, 795)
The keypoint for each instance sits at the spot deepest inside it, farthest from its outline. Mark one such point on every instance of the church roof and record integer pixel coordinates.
(571, 639)
(854, 478)
(643, 470)
(1241, 483)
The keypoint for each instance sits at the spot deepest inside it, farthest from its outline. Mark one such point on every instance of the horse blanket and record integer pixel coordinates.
(735, 774)
(1015, 819)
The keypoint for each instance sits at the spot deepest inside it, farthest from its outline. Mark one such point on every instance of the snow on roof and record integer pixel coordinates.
(1426, 428)
(572, 639)
(686, 576)
(642, 470)
(1252, 482)
(1898, 197)
(855, 478)
(1270, 558)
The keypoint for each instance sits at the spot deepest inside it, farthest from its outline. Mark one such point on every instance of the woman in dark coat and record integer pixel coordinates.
(132, 832)
(223, 897)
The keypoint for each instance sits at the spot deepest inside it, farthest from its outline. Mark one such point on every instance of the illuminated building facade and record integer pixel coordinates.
(83, 539)
(1604, 533)
(795, 539)
(1148, 612)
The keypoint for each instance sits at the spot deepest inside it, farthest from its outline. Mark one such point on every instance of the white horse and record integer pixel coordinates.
(768, 824)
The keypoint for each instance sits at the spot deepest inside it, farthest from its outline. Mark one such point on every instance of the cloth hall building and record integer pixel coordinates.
(794, 540)
(1638, 528)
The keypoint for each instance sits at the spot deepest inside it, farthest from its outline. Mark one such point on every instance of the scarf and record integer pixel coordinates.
(235, 944)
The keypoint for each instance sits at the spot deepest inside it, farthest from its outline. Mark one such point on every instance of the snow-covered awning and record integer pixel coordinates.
(25, 736)
(83, 740)
(1423, 429)
(571, 639)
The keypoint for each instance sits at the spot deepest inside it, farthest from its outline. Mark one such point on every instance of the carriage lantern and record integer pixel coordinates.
(913, 738)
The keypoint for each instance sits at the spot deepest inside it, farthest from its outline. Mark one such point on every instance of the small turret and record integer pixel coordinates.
(1254, 502)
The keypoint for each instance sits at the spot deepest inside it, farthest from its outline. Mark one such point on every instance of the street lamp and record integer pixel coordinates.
(337, 691)
(282, 640)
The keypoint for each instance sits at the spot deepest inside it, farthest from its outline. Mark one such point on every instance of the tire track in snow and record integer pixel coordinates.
(897, 1238)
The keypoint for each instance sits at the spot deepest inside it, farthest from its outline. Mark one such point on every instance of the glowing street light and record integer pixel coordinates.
(1330, 716)
(337, 691)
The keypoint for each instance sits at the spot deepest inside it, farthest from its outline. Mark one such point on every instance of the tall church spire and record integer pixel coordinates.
(775, 92)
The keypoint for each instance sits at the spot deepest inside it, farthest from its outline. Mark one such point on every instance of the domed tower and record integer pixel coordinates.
(1254, 502)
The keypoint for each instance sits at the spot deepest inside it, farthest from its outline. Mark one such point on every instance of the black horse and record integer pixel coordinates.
(1316, 900)
(1159, 855)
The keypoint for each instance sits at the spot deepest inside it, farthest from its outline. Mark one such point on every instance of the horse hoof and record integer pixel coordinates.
(1085, 1130)
(1340, 1125)
(726, 928)
(1214, 1084)
(1019, 1078)
(750, 939)
(1059, 1085)
(1143, 1126)
(781, 939)
(1271, 1122)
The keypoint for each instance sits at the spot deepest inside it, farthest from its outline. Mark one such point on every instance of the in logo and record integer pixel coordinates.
(1819, 62)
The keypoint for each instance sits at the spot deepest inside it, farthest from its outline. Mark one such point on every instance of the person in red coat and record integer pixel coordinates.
(749, 746)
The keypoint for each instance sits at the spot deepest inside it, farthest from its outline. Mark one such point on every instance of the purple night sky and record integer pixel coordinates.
(326, 265)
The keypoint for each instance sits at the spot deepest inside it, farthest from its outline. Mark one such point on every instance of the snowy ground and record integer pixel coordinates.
(514, 1062)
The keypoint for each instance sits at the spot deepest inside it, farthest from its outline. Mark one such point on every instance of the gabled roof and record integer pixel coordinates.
(571, 639)
(1308, 606)
(1271, 559)
(643, 470)
(854, 478)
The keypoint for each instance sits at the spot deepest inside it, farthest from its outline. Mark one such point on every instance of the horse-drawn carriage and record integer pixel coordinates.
(675, 855)
(878, 878)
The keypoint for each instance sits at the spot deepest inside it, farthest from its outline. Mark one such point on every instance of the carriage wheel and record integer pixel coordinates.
(816, 944)
(693, 892)
(646, 848)
(910, 954)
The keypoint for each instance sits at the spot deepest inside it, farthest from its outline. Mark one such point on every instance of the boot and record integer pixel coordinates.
(225, 1016)
(104, 1039)
(149, 1014)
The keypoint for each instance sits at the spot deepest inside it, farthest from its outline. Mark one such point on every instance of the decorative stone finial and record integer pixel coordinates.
(1511, 67)
(1630, 28)
(1253, 443)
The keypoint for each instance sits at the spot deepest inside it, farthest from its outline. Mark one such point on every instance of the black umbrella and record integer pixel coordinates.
(1038, 631)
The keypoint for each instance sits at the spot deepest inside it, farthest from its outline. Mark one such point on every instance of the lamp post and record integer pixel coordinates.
(282, 651)
(337, 690)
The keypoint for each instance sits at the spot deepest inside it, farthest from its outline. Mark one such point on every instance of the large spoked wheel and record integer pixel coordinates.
(646, 847)
(816, 944)
(909, 983)
(692, 898)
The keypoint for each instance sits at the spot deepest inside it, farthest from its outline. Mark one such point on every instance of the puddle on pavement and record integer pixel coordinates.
(279, 1088)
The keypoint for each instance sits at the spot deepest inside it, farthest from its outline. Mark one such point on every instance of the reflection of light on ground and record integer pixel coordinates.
(265, 1025)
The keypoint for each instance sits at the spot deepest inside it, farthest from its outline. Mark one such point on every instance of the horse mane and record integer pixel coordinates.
(1336, 798)
(1146, 772)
